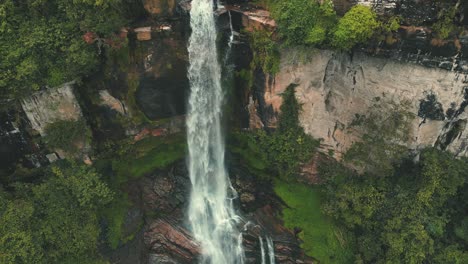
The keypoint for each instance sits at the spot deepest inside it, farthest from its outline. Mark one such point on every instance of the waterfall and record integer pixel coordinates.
(211, 215)
(231, 37)
(262, 250)
(271, 250)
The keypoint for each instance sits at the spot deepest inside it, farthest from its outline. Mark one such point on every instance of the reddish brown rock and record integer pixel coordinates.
(143, 33)
(160, 7)
(166, 238)
(254, 19)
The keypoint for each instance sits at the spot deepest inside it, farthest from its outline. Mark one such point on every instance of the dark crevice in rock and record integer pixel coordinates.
(430, 108)
(454, 130)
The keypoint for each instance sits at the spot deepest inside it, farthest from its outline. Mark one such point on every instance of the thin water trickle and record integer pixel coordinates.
(211, 214)
(262, 250)
(271, 250)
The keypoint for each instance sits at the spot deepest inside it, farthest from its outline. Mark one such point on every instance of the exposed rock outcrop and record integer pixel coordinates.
(164, 197)
(334, 88)
(170, 242)
(48, 106)
(113, 103)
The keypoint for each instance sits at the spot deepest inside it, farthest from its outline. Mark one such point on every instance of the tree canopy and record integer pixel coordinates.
(41, 42)
(55, 221)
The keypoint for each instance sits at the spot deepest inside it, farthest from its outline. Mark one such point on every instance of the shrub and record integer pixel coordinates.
(303, 21)
(265, 52)
(356, 26)
(445, 23)
(67, 135)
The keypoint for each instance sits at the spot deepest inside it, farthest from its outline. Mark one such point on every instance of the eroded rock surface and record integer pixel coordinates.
(334, 88)
(48, 106)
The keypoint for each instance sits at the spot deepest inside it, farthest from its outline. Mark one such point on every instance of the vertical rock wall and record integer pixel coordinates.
(335, 88)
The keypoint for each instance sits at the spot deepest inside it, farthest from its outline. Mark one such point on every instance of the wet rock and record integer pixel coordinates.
(168, 241)
(163, 86)
(17, 147)
(166, 191)
(161, 259)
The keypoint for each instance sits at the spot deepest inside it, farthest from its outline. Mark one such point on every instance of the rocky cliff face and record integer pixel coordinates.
(336, 88)
(48, 106)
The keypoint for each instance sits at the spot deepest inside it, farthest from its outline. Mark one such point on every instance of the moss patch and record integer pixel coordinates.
(322, 240)
(148, 155)
(115, 215)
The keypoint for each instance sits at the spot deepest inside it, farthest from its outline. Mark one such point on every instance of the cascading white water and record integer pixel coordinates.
(211, 214)
(271, 250)
(262, 250)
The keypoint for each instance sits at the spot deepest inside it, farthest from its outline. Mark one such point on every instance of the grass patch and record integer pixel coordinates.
(322, 240)
(148, 155)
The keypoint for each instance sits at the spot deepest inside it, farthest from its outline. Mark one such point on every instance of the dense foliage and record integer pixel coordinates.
(401, 207)
(280, 152)
(415, 214)
(67, 135)
(356, 26)
(304, 21)
(445, 22)
(265, 52)
(55, 221)
(386, 132)
(42, 44)
(315, 23)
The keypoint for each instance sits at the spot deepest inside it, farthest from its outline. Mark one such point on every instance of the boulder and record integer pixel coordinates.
(143, 33)
(47, 106)
(113, 103)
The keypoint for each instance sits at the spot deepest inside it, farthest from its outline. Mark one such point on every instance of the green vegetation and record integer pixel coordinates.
(303, 21)
(148, 155)
(445, 22)
(315, 23)
(42, 43)
(356, 26)
(399, 207)
(115, 214)
(280, 152)
(386, 131)
(55, 221)
(322, 239)
(410, 215)
(124, 161)
(265, 52)
(67, 135)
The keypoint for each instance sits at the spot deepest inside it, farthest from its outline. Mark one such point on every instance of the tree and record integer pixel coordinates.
(407, 216)
(303, 21)
(356, 26)
(41, 42)
(55, 221)
(385, 133)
